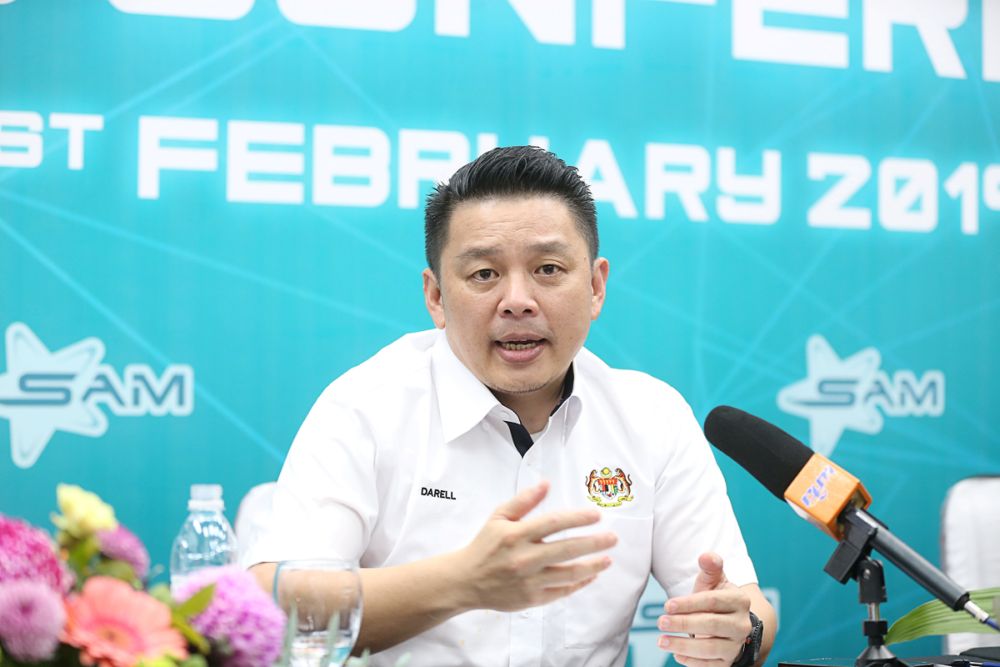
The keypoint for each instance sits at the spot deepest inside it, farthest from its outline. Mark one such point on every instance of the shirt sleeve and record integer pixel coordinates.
(693, 514)
(325, 503)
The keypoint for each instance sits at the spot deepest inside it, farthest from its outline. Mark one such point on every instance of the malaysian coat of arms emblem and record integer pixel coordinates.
(609, 489)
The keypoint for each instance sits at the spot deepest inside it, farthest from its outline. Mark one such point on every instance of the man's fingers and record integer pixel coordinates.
(727, 626)
(703, 648)
(518, 506)
(540, 556)
(714, 623)
(538, 528)
(689, 661)
(553, 593)
(565, 574)
(559, 551)
(710, 575)
(717, 602)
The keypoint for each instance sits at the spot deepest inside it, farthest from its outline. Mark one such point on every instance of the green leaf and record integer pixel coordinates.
(66, 656)
(118, 569)
(81, 554)
(194, 638)
(196, 660)
(197, 603)
(162, 661)
(934, 618)
(161, 592)
(63, 537)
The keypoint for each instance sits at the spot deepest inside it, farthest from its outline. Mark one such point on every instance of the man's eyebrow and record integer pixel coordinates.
(550, 247)
(479, 252)
(544, 247)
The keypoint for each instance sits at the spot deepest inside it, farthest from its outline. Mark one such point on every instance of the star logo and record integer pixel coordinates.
(833, 394)
(43, 392)
(37, 391)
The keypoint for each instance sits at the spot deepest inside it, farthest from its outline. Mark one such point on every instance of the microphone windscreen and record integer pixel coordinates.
(761, 448)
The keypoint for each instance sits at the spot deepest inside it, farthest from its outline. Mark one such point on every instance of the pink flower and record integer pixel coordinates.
(121, 544)
(240, 614)
(27, 553)
(115, 625)
(31, 616)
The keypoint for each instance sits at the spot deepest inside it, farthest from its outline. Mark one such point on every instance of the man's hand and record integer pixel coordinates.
(509, 565)
(716, 616)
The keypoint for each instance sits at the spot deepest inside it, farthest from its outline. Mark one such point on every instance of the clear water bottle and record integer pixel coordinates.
(206, 539)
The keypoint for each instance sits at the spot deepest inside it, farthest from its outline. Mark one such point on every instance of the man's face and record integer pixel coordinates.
(517, 292)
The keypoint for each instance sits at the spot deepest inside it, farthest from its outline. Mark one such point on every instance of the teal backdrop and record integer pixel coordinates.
(209, 210)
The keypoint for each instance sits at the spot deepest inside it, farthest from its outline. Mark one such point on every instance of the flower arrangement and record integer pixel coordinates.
(83, 599)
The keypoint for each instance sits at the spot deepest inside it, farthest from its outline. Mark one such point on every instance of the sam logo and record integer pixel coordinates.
(854, 393)
(43, 392)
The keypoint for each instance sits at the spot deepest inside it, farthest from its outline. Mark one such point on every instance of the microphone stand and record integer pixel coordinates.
(851, 560)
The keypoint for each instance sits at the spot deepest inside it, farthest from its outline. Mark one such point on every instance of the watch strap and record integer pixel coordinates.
(751, 648)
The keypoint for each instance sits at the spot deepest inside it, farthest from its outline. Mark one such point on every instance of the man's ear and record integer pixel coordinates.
(599, 284)
(432, 298)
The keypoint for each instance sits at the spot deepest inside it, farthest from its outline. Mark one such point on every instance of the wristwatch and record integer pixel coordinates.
(751, 649)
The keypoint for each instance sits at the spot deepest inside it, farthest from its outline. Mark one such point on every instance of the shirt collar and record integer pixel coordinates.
(464, 401)
(567, 389)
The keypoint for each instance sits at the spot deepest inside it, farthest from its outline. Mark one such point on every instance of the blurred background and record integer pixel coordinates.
(210, 209)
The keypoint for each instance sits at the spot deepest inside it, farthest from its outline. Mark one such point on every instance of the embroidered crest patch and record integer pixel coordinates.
(609, 489)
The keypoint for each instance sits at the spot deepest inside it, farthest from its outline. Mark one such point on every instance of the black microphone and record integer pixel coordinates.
(824, 494)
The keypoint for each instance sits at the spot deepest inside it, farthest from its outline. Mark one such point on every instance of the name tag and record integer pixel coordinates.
(437, 493)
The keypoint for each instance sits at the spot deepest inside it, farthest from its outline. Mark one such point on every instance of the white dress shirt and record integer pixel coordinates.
(405, 457)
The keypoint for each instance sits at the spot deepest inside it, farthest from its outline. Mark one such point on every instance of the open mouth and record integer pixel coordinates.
(517, 345)
(518, 348)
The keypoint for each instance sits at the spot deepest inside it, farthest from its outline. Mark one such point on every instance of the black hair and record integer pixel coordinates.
(508, 172)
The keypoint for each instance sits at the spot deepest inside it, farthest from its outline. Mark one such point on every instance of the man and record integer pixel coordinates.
(506, 492)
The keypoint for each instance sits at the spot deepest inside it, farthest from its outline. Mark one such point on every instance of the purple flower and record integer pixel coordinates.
(121, 544)
(240, 614)
(28, 553)
(31, 617)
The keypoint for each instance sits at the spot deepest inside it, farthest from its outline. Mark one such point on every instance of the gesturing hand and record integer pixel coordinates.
(509, 565)
(715, 615)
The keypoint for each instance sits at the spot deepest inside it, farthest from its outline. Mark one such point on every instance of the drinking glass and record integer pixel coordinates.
(325, 597)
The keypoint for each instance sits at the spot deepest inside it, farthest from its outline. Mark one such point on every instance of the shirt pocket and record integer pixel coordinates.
(603, 611)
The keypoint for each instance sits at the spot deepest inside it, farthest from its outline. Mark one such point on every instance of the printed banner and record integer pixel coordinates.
(210, 209)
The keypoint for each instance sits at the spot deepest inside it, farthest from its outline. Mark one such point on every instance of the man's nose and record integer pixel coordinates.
(518, 298)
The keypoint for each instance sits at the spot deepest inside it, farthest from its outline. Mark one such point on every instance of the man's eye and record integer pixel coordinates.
(483, 274)
(549, 269)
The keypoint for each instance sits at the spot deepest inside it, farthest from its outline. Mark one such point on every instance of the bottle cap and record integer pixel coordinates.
(206, 497)
(206, 492)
